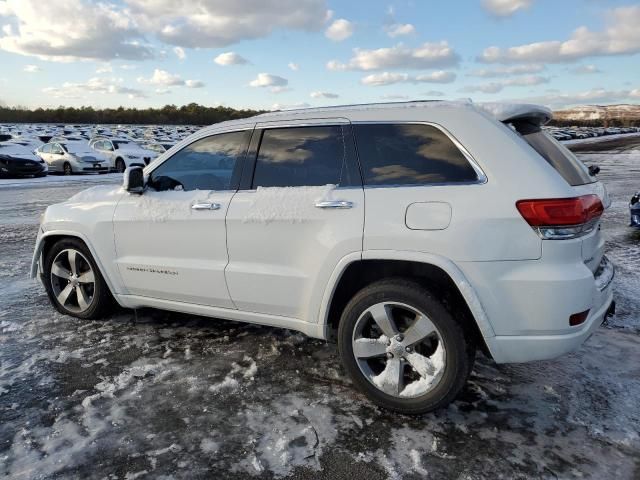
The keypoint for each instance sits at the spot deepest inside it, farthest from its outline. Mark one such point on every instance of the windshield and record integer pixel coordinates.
(557, 155)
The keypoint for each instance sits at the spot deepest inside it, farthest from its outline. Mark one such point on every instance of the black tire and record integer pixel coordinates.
(101, 302)
(67, 170)
(460, 352)
(120, 165)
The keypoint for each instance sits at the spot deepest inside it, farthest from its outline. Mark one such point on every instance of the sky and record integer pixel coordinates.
(270, 54)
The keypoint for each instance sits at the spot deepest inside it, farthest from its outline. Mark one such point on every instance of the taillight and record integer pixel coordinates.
(560, 218)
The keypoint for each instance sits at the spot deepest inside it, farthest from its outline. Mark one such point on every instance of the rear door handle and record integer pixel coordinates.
(334, 204)
(205, 206)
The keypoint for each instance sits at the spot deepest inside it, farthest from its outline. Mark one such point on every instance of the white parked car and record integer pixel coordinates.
(412, 233)
(123, 153)
(71, 156)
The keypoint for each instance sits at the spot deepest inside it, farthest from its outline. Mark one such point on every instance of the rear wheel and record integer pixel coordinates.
(403, 348)
(73, 282)
(67, 168)
(120, 165)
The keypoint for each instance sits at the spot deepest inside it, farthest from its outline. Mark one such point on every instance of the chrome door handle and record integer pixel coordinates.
(205, 206)
(334, 204)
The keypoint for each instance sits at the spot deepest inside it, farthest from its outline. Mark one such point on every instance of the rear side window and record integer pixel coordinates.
(206, 164)
(556, 154)
(300, 156)
(410, 154)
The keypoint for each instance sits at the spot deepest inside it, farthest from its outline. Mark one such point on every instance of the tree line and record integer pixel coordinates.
(191, 114)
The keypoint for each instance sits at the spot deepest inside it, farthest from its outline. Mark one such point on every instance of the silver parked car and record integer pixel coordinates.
(70, 157)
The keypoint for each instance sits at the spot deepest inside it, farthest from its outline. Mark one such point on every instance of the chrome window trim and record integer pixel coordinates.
(482, 177)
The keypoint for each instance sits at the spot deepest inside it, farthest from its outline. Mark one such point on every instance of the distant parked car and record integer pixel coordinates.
(159, 147)
(17, 160)
(634, 210)
(70, 157)
(123, 153)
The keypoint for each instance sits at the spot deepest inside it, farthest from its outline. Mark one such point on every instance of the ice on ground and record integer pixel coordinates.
(286, 204)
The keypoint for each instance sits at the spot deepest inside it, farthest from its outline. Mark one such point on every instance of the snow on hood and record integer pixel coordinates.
(505, 112)
(96, 194)
(18, 151)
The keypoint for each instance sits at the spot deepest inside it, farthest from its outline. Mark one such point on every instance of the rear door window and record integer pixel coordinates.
(557, 155)
(410, 154)
(300, 156)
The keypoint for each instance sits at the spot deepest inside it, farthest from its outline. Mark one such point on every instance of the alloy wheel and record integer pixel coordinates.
(73, 280)
(399, 350)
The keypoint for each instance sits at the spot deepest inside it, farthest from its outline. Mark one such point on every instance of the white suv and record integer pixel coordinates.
(413, 233)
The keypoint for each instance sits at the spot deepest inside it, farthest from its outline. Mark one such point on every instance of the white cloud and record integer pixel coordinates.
(162, 91)
(585, 70)
(230, 58)
(387, 78)
(593, 96)
(495, 87)
(128, 67)
(400, 29)
(105, 68)
(339, 30)
(194, 84)
(428, 55)
(268, 80)
(180, 53)
(66, 30)
(291, 106)
(293, 66)
(218, 23)
(163, 78)
(434, 93)
(620, 36)
(505, 8)
(91, 87)
(32, 69)
(510, 70)
(319, 94)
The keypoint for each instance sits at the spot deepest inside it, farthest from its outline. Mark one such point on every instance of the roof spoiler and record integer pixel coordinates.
(510, 112)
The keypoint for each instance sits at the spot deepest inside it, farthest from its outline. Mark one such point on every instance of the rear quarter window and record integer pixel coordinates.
(555, 154)
(410, 154)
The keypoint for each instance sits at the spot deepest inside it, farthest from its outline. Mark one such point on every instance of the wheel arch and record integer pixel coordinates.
(431, 271)
(48, 239)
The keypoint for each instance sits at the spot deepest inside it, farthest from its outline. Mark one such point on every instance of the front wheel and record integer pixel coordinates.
(120, 165)
(67, 170)
(403, 348)
(73, 282)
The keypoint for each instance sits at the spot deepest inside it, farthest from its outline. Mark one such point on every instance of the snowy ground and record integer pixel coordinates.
(163, 395)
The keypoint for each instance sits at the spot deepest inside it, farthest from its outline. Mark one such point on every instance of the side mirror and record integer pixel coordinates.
(133, 181)
(594, 170)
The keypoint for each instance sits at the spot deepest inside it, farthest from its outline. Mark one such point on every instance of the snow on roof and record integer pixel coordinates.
(370, 106)
(511, 111)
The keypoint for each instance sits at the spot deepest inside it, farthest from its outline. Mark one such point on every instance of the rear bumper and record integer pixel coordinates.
(526, 348)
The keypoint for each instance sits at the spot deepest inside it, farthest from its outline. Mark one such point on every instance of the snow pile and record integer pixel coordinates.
(287, 204)
(230, 381)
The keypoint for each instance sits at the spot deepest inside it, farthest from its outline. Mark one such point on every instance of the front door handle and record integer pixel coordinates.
(334, 204)
(205, 206)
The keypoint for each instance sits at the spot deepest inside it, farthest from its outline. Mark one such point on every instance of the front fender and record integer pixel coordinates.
(36, 261)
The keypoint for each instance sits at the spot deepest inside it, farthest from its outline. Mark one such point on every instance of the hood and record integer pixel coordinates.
(18, 151)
